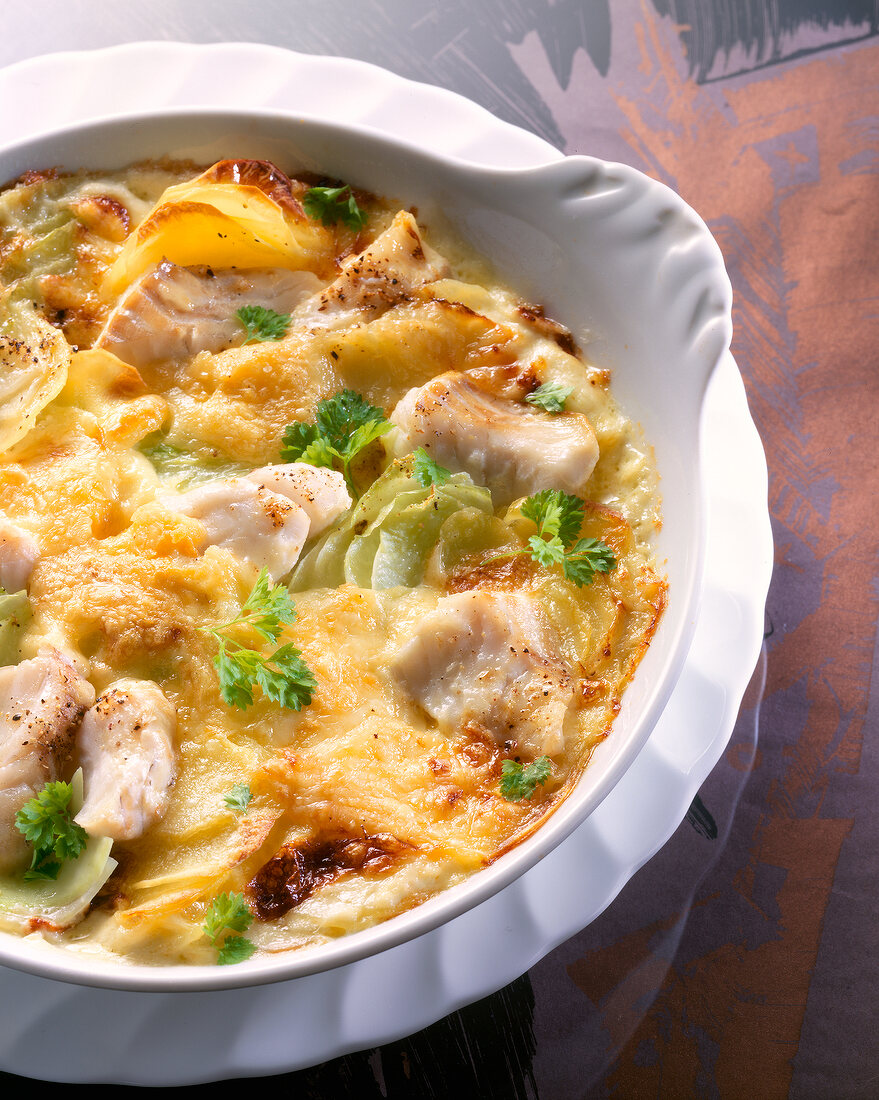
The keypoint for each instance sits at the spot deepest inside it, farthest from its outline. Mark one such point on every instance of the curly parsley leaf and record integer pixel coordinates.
(229, 913)
(303, 443)
(585, 559)
(298, 438)
(238, 797)
(329, 205)
(344, 425)
(283, 676)
(550, 396)
(267, 609)
(558, 517)
(291, 682)
(237, 675)
(519, 781)
(547, 552)
(555, 514)
(339, 419)
(262, 324)
(47, 824)
(427, 472)
(235, 949)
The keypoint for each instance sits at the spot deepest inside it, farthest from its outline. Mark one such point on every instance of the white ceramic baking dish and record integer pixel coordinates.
(615, 256)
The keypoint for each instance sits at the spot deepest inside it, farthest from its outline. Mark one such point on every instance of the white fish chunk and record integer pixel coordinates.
(42, 702)
(174, 312)
(261, 527)
(320, 492)
(489, 661)
(509, 446)
(19, 554)
(128, 758)
(396, 263)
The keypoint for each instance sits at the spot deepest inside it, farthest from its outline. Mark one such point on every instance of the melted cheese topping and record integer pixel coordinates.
(362, 804)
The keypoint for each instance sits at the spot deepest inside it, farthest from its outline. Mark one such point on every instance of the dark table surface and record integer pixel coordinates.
(757, 972)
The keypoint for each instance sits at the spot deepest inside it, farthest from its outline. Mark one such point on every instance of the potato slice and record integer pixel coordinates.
(222, 225)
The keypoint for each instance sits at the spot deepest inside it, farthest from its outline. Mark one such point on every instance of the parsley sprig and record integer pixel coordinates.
(427, 472)
(344, 425)
(550, 396)
(229, 913)
(329, 205)
(283, 676)
(262, 324)
(238, 797)
(47, 823)
(519, 781)
(558, 517)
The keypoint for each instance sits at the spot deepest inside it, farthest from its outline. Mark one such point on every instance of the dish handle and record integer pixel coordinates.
(665, 258)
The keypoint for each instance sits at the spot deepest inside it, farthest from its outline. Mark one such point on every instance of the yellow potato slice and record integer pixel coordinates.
(221, 225)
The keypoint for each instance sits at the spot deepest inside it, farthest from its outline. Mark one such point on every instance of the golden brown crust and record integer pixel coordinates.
(296, 871)
(267, 177)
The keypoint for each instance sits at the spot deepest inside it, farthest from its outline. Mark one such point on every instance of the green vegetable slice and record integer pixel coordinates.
(63, 901)
(386, 539)
(15, 614)
(187, 468)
